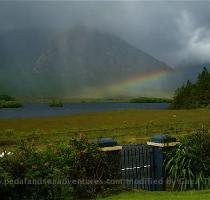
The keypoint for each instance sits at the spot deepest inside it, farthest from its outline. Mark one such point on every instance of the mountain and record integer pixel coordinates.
(19, 50)
(79, 62)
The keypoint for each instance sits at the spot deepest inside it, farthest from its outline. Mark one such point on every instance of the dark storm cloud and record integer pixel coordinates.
(170, 31)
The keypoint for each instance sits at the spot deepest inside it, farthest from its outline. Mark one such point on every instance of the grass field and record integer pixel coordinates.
(142, 195)
(127, 126)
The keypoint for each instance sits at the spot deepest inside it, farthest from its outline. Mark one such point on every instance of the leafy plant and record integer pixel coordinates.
(188, 166)
(92, 166)
(78, 170)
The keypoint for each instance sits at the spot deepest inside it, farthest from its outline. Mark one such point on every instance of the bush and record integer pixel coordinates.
(72, 167)
(24, 167)
(56, 103)
(188, 166)
(94, 165)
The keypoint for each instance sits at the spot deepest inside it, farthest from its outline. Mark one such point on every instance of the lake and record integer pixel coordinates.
(43, 110)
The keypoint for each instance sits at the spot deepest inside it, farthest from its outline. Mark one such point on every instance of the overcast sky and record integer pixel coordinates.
(170, 31)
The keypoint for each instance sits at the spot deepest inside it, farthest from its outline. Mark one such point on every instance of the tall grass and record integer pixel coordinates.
(188, 166)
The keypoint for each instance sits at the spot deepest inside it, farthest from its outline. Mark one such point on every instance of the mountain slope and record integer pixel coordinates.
(72, 63)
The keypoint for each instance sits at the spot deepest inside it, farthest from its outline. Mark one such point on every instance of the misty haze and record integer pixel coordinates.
(101, 49)
(104, 99)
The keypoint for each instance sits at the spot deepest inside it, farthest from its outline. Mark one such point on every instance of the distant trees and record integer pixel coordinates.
(203, 87)
(195, 95)
(150, 100)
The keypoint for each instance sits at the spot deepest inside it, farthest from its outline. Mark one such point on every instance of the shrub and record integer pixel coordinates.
(93, 165)
(77, 164)
(188, 166)
(25, 167)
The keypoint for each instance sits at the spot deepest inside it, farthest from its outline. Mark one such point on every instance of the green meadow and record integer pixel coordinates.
(143, 195)
(128, 126)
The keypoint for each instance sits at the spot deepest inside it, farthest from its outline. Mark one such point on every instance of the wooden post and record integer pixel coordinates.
(159, 147)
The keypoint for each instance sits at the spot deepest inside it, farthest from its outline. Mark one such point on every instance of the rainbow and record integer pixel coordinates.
(132, 84)
(139, 80)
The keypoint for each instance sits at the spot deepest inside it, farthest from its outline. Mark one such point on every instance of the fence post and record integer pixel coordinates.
(113, 152)
(159, 144)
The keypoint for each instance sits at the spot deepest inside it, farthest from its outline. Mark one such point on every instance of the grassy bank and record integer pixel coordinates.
(143, 195)
(126, 126)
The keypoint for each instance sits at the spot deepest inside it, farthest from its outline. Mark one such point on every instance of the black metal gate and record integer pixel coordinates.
(139, 170)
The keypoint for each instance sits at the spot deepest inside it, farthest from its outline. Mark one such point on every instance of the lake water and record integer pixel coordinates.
(43, 110)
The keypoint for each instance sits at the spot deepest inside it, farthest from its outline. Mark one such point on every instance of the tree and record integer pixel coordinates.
(183, 97)
(192, 95)
(203, 87)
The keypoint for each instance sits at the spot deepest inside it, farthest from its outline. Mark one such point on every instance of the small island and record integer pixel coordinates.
(150, 100)
(56, 103)
(7, 101)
